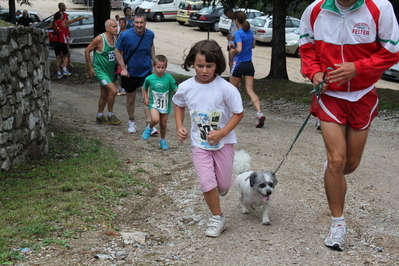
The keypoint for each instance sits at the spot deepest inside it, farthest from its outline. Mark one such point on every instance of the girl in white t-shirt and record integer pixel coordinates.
(215, 108)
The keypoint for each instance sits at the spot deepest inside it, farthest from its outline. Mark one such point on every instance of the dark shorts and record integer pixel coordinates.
(61, 48)
(131, 84)
(242, 69)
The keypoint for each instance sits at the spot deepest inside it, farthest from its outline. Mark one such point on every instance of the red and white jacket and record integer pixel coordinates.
(368, 36)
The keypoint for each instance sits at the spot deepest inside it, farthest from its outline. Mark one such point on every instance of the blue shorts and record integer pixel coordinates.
(242, 69)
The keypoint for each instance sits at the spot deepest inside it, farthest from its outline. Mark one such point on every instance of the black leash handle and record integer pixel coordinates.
(317, 92)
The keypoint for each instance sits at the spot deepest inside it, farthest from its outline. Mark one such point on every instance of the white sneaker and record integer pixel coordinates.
(216, 225)
(132, 127)
(336, 237)
(154, 131)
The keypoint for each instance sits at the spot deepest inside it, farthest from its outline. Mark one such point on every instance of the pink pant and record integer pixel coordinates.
(214, 167)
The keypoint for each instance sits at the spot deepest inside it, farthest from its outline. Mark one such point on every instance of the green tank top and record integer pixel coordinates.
(105, 61)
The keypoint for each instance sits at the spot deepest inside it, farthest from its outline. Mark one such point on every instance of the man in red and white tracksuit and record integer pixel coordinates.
(359, 40)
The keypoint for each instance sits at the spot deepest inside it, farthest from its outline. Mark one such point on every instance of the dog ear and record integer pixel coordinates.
(273, 175)
(252, 178)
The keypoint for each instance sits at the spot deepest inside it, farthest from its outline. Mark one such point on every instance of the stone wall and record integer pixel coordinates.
(24, 95)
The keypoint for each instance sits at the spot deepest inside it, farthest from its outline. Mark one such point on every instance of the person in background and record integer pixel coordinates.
(135, 51)
(62, 8)
(129, 17)
(122, 28)
(25, 20)
(103, 70)
(117, 17)
(359, 40)
(61, 51)
(230, 36)
(241, 50)
(215, 108)
(157, 92)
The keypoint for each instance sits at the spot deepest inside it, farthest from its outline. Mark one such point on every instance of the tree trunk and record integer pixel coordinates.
(278, 64)
(101, 13)
(11, 8)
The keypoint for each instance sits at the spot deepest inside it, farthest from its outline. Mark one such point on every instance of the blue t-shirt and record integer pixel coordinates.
(129, 22)
(140, 64)
(246, 38)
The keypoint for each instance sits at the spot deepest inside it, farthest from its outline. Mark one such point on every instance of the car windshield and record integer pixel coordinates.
(258, 22)
(207, 10)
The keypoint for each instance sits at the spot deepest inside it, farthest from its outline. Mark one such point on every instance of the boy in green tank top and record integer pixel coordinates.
(103, 70)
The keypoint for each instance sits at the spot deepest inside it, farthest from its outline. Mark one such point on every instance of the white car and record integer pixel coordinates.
(133, 4)
(292, 42)
(225, 22)
(262, 27)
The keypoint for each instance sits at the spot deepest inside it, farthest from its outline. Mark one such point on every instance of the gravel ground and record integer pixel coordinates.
(169, 222)
(166, 227)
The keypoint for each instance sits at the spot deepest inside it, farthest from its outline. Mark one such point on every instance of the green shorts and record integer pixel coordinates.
(103, 78)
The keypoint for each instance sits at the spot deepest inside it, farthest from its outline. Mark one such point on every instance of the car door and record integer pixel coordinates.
(87, 29)
(168, 8)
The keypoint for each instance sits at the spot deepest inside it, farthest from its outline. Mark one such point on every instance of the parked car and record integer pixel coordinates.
(133, 4)
(186, 8)
(158, 10)
(208, 17)
(262, 27)
(82, 31)
(292, 42)
(392, 73)
(5, 15)
(225, 22)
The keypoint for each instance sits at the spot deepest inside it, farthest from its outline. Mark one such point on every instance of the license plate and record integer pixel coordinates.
(181, 12)
(224, 22)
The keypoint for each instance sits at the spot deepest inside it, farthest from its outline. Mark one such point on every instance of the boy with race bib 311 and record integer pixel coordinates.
(157, 93)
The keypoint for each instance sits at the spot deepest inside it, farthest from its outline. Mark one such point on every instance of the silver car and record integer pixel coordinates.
(262, 27)
(292, 42)
(82, 31)
(392, 73)
(225, 22)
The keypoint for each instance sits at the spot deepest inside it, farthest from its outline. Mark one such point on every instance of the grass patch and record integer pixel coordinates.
(72, 189)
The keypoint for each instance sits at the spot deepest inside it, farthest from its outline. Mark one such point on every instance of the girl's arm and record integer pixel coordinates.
(182, 133)
(216, 135)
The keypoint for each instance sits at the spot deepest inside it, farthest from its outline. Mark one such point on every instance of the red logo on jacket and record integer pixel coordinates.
(361, 29)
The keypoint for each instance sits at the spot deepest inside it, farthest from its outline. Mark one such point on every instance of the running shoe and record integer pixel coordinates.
(261, 119)
(66, 73)
(114, 120)
(216, 225)
(154, 131)
(132, 127)
(59, 75)
(147, 133)
(336, 238)
(163, 144)
(102, 120)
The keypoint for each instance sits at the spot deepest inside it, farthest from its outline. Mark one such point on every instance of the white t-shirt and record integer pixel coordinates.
(211, 106)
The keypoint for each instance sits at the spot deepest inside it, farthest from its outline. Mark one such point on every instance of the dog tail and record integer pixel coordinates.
(242, 162)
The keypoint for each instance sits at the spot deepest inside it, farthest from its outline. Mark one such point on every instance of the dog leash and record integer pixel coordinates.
(316, 91)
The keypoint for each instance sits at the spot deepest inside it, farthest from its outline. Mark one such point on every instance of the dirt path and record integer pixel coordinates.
(174, 213)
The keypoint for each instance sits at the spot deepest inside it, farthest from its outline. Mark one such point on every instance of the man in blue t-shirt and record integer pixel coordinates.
(134, 52)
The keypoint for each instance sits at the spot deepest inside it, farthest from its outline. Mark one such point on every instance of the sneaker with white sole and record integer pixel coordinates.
(59, 75)
(336, 238)
(154, 131)
(66, 73)
(261, 119)
(163, 144)
(132, 127)
(216, 225)
(147, 133)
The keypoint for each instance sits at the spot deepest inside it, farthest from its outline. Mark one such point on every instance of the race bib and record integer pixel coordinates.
(206, 122)
(161, 101)
(111, 56)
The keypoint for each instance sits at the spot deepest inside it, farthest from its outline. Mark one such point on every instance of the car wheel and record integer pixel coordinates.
(157, 17)
(181, 22)
(215, 26)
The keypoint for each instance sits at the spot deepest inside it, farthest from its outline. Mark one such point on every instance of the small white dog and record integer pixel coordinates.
(253, 189)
